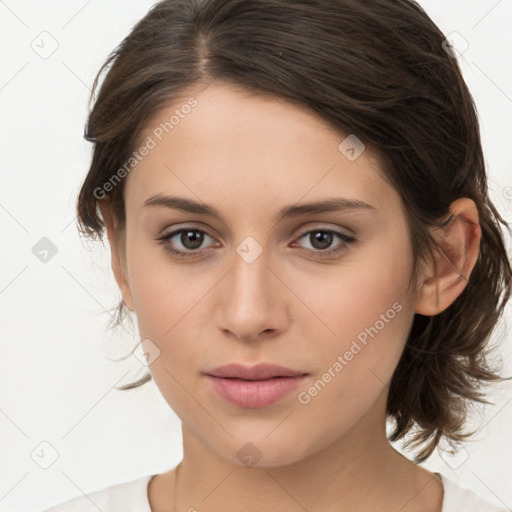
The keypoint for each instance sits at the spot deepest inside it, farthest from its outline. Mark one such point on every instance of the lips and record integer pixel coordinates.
(254, 387)
(260, 371)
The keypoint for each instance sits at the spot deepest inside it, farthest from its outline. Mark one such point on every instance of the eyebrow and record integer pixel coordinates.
(332, 204)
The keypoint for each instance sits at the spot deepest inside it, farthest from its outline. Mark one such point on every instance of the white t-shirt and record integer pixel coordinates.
(132, 496)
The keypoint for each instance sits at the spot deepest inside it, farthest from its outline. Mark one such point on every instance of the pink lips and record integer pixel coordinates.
(254, 387)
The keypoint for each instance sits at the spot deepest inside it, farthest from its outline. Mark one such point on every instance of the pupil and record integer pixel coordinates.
(195, 236)
(325, 239)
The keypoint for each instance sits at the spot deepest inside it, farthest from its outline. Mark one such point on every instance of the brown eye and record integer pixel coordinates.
(187, 240)
(322, 239)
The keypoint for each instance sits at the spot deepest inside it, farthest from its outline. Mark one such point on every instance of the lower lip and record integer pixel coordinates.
(254, 394)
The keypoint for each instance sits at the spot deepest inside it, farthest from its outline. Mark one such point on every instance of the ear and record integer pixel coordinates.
(455, 257)
(116, 240)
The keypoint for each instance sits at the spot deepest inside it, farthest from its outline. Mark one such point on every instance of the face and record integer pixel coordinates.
(321, 292)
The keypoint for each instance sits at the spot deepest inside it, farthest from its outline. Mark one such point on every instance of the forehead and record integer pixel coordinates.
(225, 145)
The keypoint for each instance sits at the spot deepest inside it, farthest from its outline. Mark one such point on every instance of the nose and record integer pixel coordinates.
(253, 305)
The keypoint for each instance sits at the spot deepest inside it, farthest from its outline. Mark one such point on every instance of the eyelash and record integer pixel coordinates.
(192, 254)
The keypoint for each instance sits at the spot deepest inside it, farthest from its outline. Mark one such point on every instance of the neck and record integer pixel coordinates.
(358, 471)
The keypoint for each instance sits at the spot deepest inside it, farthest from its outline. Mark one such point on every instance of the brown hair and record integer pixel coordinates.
(377, 69)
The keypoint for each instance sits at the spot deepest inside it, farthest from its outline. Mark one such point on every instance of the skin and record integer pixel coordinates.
(248, 156)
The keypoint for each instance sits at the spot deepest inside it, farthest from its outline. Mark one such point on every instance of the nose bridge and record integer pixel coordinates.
(250, 298)
(250, 278)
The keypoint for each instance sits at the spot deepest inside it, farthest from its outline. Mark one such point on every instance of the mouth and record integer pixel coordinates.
(260, 371)
(254, 387)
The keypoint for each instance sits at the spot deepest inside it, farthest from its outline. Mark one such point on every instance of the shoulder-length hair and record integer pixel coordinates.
(380, 69)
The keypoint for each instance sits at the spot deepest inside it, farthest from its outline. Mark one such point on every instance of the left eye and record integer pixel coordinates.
(191, 239)
(324, 238)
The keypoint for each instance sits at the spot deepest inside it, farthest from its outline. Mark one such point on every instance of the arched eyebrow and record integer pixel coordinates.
(332, 204)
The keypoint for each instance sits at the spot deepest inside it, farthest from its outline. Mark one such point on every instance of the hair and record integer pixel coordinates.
(379, 69)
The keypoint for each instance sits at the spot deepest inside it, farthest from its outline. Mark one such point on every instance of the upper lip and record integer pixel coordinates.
(258, 372)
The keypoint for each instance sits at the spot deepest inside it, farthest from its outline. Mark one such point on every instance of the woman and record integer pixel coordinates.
(295, 199)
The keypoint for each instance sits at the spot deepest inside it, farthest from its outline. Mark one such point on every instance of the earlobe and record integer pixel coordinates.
(455, 257)
(116, 250)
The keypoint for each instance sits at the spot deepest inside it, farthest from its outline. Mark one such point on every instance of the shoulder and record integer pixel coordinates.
(127, 496)
(459, 499)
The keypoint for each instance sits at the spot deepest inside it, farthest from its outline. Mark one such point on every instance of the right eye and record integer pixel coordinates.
(189, 238)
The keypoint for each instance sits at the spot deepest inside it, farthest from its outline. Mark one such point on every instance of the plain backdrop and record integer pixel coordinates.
(64, 429)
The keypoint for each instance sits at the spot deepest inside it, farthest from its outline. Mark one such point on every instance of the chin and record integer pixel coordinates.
(254, 449)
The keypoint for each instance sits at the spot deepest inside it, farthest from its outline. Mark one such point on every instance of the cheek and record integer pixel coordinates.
(158, 286)
(361, 291)
(170, 301)
(166, 304)
(368, 309)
